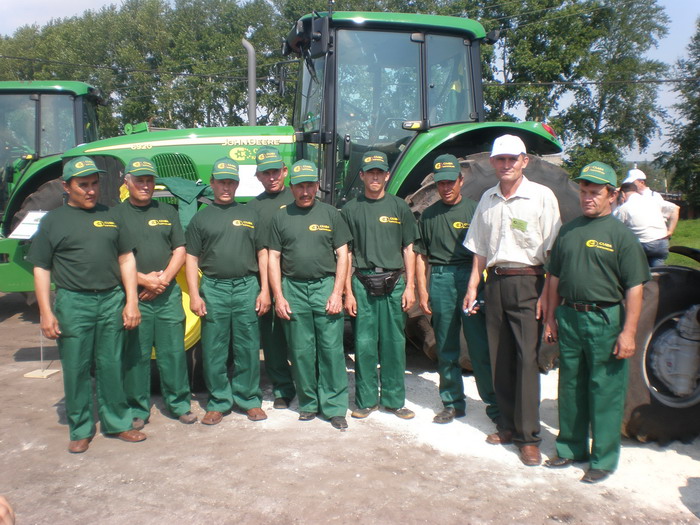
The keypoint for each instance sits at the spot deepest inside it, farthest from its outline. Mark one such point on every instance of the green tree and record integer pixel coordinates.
(618, 109)
(683, 160)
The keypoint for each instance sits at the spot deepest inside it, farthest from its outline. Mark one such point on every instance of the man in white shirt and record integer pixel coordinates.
(670, 211)
(511, 234)
(646, 222)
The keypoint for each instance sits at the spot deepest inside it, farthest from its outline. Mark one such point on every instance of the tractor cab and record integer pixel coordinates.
(373, 81)
(38, 120)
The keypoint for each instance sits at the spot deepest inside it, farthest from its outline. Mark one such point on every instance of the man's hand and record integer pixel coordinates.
(551, 331)
(282, 308)
(7, 515)
(153, 282)
(131, 316)
(624, 346)
(350, 304)
(334, 305)
(469, 300)
(424, 302)
(263, 302)
(146, 295)
(49, 326)
(408, 298)
(198, 306)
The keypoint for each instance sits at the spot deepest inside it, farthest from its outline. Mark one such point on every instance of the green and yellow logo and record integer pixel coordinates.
(159, 222)
(320, 228)
(246, 224)
(104, 224)
(390, 220)
(591, 243)
(457, 225)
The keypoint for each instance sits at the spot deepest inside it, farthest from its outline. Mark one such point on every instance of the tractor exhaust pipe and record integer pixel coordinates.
(252, 84)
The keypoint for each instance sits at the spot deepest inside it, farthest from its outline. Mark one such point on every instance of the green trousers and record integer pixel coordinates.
(592, 386)
(92, 333)
(379, 340)
(274, 345)
(231, 317)
(448, 285)
(316, 347)
(163, 326)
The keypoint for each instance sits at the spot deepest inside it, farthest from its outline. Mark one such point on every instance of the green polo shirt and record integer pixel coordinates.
(266, 205)
(380, 230)
(225, 239)
(596, 260)
(307, 239)
(80, 247)
(156, 231)
(442, 232)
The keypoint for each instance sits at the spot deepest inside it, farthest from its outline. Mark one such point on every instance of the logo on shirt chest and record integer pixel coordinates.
(600, 245)
(245, 224)
(159, 222)
(457, 225)
(320, 228)
(104, 224)
(390, 220)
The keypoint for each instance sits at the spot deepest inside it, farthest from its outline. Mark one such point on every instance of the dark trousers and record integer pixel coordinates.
(513, 334)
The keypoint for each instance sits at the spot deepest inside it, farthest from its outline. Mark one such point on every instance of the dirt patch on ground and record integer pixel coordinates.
(382, 470)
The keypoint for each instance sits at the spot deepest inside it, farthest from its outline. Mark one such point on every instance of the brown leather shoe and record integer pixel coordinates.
(130, 436)
(256, 414)
(79, 446)
(212, 418)
(502, 437)
(188, 418)
(530, 455)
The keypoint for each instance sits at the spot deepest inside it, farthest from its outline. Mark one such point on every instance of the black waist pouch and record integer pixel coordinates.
(379, 284)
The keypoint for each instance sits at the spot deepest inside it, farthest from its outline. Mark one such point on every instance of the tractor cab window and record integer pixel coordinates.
(449, 96)
(378, 89)
(89, 121)
(309, 103)
(17, 127)
(57, 131)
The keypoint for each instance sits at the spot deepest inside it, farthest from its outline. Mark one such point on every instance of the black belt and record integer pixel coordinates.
(591, 307)
(377, 269)
(523, 270)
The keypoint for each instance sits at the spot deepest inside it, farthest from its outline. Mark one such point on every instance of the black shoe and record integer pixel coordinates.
(361, 413)
(281, 403)
(447, 415)
(306, 416)
(558, 462)
(339, 422)
(596, 475)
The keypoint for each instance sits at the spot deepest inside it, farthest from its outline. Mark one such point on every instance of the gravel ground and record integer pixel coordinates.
(382, 470)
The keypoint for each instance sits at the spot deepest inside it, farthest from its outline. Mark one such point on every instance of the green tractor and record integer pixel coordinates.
(406, 84)
(39, 121)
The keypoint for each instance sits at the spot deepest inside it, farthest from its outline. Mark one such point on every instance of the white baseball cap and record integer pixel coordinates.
(508, 145)
(633, 175)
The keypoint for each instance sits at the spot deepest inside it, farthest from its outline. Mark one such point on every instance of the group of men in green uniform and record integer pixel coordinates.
(279, 272)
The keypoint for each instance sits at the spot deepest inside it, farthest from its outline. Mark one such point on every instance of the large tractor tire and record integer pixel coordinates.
(652, 411)
(479, 176)
(47, 197)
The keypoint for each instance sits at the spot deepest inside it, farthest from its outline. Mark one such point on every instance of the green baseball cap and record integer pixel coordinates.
(303, 171)
(598, 173)
(374, 159)
(446, 167)
(141, 166)
(225, 168)
(269, 158)
(80, 167)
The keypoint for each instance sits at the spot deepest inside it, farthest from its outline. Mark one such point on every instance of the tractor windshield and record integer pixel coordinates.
(386, 92)
(38, 125)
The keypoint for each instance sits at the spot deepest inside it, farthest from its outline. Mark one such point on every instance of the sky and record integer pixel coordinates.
(683, 14)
